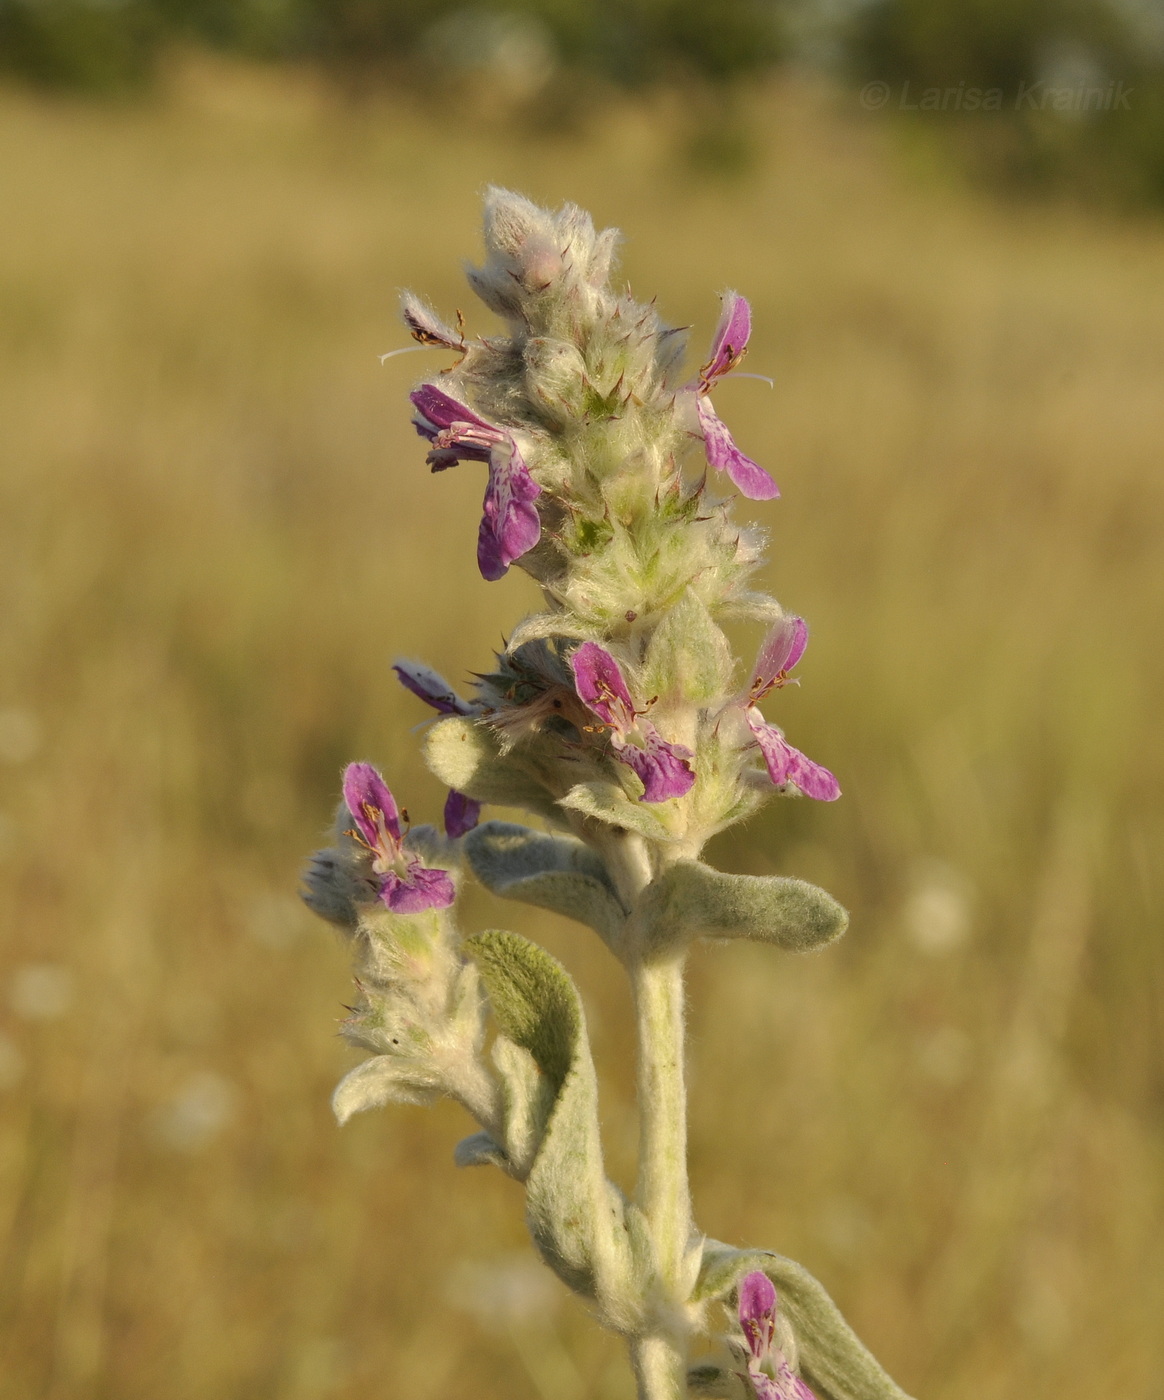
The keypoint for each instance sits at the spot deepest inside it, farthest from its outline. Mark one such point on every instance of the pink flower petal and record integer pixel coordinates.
(419, 889)
(664, 769)
(366, 794)
(781, 650)
(722, 453)
(788, 765)
(510, 526)
(730, 339)
(431, 687)
(758, 1312)
(461, 814)
(441, 410)
(601, 687)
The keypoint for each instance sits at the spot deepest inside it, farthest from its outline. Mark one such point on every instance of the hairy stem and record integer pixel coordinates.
(660, 1367)
(660, 1358)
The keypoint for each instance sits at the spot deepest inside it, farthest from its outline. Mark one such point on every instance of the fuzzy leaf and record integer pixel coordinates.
(607, 802)
(553, 872)
(833, 1360)
(689, 656)
(463, 752)
(334, 887)
(529, 1098)
(479, 1151)
(541, 626)
(690, 900)
(382, 1080)
(579, 1221)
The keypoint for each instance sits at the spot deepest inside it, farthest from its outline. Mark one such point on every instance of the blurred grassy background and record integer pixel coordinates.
(1092, 71)
(216, 531)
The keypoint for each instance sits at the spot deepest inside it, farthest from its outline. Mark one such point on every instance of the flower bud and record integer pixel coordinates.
(555, 378)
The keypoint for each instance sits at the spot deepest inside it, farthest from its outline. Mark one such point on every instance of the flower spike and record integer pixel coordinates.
(581, 411)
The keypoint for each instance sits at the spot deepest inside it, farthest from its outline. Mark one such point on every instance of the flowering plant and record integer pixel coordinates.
(616, 718)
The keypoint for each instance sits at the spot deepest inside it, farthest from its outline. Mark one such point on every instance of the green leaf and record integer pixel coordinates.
(558, 873)
(579, 1221)
(607, 802)
(464, 753)
(690, 900)
(833, 1359)
(382, 1080)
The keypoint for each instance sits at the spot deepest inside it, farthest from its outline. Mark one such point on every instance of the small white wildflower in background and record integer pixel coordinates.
(11, 1063)
(197, 1113)
(41, 992)
(20, 736)
(937, 914)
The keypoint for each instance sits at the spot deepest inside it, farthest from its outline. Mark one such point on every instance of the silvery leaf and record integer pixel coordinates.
(463, 752)
(579, 1221)
(609, 803)
(553, 872)
(691, 900)
(382, 1080)
(479, 1151)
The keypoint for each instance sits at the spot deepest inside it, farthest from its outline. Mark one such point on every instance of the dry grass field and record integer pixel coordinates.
(216, 529)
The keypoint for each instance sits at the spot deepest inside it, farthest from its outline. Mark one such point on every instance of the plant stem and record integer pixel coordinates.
(660, 1367)
(660, 1358)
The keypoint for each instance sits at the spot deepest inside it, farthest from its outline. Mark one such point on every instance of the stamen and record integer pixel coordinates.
(409, 350)
(747, 374)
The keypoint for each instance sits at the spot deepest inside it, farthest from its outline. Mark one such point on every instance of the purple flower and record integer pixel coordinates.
(729, 345)
(664, 769)
(722, 453)
(782, 649)
(769, 1375)
(431, 687)
(728, 348)
(510, 526)
(461, 814)
(403, 883)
